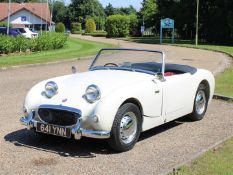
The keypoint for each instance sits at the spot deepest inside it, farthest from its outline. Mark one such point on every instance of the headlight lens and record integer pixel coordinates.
(51, 89)
(92, 93)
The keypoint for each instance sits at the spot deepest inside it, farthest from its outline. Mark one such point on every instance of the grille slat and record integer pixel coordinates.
(58, 117)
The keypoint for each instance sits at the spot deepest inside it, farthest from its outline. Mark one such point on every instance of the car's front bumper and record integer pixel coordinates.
(77, 131)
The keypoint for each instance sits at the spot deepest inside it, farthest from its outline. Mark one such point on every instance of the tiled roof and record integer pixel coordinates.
(38, 9)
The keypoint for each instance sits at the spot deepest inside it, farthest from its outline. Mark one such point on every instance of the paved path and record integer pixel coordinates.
(159, 150)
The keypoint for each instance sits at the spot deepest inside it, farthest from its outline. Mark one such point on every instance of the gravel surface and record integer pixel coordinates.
(159, 150)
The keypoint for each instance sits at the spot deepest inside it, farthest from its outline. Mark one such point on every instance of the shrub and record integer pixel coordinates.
(90, 26)
(46, 41)
(76, 27)
(60, 27)
(117, 26)
(4, 24)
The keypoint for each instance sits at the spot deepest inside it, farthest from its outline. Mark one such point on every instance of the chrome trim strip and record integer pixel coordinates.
(60, 107)
(77, 131)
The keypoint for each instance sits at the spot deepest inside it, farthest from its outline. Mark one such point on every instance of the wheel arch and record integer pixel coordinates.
(135, 102)
(207, 85)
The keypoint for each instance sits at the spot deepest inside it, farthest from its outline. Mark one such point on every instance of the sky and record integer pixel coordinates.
(119, 3)
(122, 3)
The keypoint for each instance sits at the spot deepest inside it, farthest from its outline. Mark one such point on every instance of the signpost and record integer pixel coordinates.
(142, 29)
(167, 24)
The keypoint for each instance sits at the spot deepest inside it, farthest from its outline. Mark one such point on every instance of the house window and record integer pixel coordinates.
(23, 18)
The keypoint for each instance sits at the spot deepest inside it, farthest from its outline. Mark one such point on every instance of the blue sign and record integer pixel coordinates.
(167, 24)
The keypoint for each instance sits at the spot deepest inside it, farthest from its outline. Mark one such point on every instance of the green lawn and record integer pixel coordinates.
(74, 48)
(218, 161)
(224, 82)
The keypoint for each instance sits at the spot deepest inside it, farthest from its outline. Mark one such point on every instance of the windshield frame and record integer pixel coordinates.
(129, 69)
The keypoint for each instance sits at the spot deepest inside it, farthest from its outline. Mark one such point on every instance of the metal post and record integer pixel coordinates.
(8, 20)
(41, 17)
(161, 33)
(197, 21)
(51, 17)
(173, 35)
(47, 6)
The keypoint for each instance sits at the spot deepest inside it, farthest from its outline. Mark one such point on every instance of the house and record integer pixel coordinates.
(32, 15)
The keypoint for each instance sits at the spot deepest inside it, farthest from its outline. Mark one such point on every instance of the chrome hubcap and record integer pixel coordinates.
(128, 127)
(200, 102)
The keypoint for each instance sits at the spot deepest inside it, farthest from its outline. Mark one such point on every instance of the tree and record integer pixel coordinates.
(109, 10)
(127, 10)
(149, 12)
(61, 13)
(84, 9)
(215, 19)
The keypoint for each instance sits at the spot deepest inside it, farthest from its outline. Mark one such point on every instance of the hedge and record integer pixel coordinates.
(4, 24)
(117, 26)
(98, 33)
(46, 41)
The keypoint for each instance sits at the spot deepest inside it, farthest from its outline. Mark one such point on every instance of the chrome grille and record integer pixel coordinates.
(58, 116)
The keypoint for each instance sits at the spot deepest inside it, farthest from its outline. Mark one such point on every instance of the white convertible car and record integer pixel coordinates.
(125, 92)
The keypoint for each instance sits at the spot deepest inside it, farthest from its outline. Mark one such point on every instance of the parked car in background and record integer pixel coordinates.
(125, 92)
(33, 30)
(26, 32)
(12, 32)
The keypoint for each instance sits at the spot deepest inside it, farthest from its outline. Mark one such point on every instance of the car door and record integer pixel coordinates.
(151, 98)
(177, 96)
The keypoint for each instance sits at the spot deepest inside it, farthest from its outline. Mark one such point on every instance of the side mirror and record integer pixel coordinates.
(160, 77)
(73, 69)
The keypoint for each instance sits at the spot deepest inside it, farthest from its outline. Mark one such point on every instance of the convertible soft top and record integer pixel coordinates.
(156, 67)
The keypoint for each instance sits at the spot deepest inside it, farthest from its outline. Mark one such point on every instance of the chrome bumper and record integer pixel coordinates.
(77, 131)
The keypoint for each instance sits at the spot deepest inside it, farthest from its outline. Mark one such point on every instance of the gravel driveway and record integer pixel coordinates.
(159, 150)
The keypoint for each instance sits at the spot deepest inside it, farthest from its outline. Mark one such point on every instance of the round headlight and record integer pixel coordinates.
(51, 89)
(92, 93)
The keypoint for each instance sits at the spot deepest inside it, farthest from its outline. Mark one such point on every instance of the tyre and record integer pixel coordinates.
(200, 103)
(126, 128)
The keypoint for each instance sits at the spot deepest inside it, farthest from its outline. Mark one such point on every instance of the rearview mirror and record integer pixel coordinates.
(73, 69)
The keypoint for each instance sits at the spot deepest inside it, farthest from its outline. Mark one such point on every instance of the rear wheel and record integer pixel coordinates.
(126, 128)
(200, 103)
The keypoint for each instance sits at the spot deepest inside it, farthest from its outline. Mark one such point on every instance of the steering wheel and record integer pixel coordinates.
(113, 64)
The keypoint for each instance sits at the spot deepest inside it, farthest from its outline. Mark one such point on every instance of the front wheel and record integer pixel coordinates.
(200, 103)
(126, 128)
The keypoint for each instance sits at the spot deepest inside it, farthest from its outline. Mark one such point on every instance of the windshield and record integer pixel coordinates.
(148, 61)
(22, 30)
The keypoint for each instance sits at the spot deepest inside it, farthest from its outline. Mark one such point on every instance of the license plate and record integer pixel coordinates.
(53, 130)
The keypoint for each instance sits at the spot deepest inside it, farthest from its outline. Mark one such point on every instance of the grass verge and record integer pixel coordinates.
(224, 81)
(217, 161)
(74, 48)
